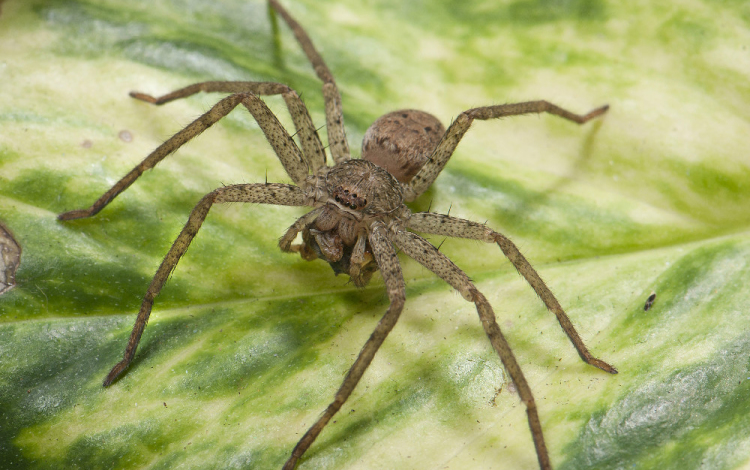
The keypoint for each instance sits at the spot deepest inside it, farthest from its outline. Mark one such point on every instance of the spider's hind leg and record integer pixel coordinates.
(430, 171)
(438, 224)
(334, 112)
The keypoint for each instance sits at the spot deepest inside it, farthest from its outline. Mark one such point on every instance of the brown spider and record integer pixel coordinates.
(358, 210)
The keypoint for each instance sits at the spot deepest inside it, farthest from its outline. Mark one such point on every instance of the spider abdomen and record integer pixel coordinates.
(401, 142)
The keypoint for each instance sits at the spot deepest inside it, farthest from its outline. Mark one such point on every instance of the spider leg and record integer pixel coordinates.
(282, 143)
(334, 113)
(269, 193)
(285, 242)
(358, 260)
(390, 268)
(432, 168)
(312, 147)
(426, 254)
(439, 224)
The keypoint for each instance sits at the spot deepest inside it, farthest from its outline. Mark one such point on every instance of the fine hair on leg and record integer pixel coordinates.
(390, 268)
(435, 164)
(439, 224)
(427, 255)
(269, 193)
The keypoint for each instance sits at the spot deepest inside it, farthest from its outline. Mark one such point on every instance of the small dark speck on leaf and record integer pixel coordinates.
(649, 302)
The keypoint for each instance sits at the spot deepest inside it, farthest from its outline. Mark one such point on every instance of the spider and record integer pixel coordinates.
(358, 216)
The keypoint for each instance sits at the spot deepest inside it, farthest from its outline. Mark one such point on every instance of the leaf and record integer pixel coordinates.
(247, 345)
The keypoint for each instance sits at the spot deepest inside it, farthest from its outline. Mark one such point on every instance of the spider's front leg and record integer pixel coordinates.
(430, 257)
(360, 269)
(390, 268)
(283, 144)
(438, 224)
(285, 242)
(269, 193)
(435, 164)
(312, 147)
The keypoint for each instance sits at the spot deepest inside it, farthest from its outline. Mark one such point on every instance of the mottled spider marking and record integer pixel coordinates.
(401, 142)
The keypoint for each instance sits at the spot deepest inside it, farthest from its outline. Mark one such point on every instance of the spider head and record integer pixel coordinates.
(349, 199)
(363, 187)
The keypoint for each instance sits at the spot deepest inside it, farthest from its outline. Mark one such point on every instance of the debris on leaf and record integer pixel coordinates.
(649, 301)
(10, 259)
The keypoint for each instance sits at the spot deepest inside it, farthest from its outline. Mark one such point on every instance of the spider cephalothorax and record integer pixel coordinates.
(358, 218)
(363, 189)
(358, 193)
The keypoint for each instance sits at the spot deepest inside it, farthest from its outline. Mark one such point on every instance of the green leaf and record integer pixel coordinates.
(247, 345)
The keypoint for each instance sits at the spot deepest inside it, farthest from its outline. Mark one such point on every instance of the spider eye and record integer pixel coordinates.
(353, 206)
(337, 199)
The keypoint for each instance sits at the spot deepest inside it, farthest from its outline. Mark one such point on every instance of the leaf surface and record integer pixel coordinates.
(247, 345)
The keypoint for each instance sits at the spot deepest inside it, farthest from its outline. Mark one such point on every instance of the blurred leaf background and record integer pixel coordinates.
(247, 345)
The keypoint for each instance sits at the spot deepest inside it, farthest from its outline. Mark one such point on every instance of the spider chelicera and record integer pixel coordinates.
(358, 217)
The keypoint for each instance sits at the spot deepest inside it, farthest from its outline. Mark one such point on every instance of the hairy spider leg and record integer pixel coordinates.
(334, 113)
(312, 147)
(283, 144)
(386, 257)
(430, 257)
(438, 224)
(435, 164)
(258, 193)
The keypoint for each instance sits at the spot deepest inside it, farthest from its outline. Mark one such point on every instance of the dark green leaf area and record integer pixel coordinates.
(542, 11)
(208, 356)
(47, 368)
(695, 413)
(221, 351)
